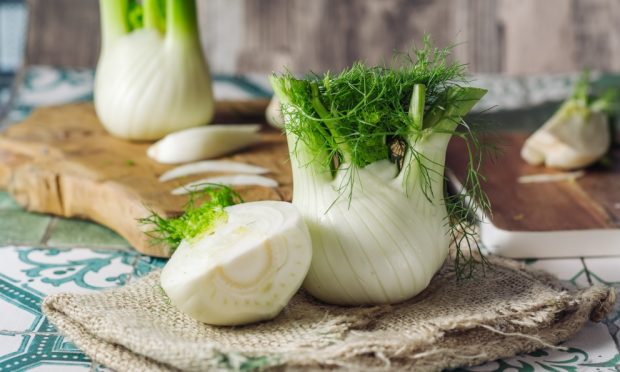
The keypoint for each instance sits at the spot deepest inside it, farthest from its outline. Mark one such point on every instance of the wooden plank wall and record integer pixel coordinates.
(494, 36)
(62, 33)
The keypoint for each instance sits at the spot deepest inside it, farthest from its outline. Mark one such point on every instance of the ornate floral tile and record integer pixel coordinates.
(27, 340)
(569, 270)
(606, 271)
(590, 350)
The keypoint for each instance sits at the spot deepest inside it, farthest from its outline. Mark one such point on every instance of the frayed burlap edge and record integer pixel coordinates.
(502, 338)
(447, 348)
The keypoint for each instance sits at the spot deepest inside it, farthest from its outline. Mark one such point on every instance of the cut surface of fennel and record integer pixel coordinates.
(246, 270)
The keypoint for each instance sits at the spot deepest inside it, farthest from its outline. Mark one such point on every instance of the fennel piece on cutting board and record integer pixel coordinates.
(564, 217)
(61, 161)
(577, 134)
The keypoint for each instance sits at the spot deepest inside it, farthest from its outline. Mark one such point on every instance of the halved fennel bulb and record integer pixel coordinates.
(245, 270)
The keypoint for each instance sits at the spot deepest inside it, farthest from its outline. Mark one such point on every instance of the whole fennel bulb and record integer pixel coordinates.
(378, 218)
(151, 80)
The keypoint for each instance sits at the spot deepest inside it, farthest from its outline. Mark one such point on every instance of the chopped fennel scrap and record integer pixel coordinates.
(215, 166)
(558, 177)
(204, 142)
(236, 180)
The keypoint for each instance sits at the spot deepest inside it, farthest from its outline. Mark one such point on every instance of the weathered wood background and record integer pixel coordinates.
(507, 36)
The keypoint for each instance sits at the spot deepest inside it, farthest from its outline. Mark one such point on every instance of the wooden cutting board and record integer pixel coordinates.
(569, 218)
(61, 161)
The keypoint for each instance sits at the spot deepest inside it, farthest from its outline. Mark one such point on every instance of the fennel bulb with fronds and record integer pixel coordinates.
(368, 149)
(234, 263)
(152, 78)
(577, 135)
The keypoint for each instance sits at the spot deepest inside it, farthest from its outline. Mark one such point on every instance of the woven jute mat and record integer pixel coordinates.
(507, 311)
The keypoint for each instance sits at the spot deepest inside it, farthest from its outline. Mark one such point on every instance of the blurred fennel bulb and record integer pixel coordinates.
(152, 78)
(577, 135)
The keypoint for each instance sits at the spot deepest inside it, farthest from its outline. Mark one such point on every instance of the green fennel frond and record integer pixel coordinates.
(606, 102)
(467, 207)
(198, 218)
(351, 115)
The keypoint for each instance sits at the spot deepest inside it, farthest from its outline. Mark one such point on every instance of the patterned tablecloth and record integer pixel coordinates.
(41, 254)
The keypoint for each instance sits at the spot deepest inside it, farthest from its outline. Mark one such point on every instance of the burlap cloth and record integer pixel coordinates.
(510, 310)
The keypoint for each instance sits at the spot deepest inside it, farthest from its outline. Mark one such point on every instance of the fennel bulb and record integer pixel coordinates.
(368, 150)
(233, 263)
(151, 80)
(245, 270)
(576, 136)
(273, 115)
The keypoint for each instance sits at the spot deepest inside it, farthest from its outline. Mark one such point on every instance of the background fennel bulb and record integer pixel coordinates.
(235, 263)
(152, 78)
(368, 150)
(577, 135)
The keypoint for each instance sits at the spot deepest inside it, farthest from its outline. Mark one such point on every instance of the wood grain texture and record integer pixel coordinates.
(242, 36)
(480, 35)
(597, 27)
(61, 161)
(328, 35)
(589, 202)
(538, 36)
(63, 33)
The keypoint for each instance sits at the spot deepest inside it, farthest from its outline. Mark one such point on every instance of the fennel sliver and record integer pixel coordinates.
(565, 217)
